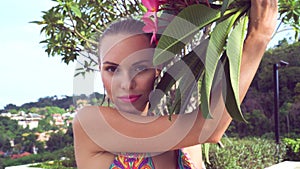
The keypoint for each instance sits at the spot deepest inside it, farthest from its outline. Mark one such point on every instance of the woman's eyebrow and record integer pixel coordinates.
(110, 63)
(139, 62)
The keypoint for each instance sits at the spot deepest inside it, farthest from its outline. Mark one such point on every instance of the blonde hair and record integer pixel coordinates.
(128, 26)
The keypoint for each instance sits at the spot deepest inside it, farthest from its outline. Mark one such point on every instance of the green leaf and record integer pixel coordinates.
(177, 34)
(231, 104)
(215, 48)
(206, 152)
(187, 87)
(214, 51)
(234, 53)
(190, 66)
(38, 22)
(143, 8)
(75, 8)
(225, 5)
(174, 108)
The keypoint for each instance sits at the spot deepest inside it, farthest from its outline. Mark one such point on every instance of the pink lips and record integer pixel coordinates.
(130, 98)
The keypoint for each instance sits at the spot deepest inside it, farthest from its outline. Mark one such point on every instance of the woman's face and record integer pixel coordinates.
(127, 71)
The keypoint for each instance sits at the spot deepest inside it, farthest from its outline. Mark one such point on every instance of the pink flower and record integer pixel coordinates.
(150, 27)
(151, 5)
(150, 17)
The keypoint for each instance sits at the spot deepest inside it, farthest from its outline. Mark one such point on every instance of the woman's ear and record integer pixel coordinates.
(99, 64)
(158, 69)
(157, 72)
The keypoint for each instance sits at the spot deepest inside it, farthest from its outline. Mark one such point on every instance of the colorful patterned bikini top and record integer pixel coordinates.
(145, 162)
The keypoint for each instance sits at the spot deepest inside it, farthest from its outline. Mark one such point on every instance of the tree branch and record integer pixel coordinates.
(79, 34)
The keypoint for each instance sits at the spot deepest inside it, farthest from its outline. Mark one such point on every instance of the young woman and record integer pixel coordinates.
(123, 137)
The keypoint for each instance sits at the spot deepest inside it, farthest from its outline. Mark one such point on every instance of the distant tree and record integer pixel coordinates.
(68, 139)
(285, 110)
(64, 103)
(13, 111)
(29, 105)
(288, 77)
(56, 141)
(290, 13)
(29, 141)
(294, 116)
(7, 145)
(260, 97)
(95, 101)
(50, 110)
(33, 110)
(255, 118)
(45, 124)
(282, 43)
(6, 124)
(71, 109)
(46, 101)
(41, 146)
(1, 163)
(297, 93)
(95, 98)
(10, 106)
(9, 130)
(98, 95)
(4, 142)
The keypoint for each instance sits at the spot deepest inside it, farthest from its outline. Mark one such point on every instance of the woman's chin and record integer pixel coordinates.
(129, 108)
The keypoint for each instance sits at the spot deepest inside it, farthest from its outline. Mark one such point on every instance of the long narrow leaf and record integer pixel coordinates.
(215, 48)
(188, 86)
(188, 83)
(225, 5)
(206, 152)
(230, 103)
(177, 34)
(190, 66)
(170, 77)
(234, 53)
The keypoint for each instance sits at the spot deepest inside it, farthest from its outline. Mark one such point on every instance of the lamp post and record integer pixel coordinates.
(276, 66)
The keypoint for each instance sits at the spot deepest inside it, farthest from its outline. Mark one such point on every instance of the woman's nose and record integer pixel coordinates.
(128, 82)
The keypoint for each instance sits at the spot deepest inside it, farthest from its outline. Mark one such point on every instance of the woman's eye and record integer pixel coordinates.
(141, 68)
(111, 69)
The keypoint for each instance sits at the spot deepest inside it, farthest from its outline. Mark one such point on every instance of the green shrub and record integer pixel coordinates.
(1, 164)
(244, 153)
(292, 149)
(67, 152)
(57, 164)
(34, 158)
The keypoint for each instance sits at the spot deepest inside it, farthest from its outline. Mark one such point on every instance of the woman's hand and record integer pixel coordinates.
(263, 16)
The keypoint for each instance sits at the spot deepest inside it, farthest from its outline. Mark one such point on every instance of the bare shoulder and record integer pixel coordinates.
(95, 109)
(88, 153)
(88, 113)
(89, 109)
(82, 116)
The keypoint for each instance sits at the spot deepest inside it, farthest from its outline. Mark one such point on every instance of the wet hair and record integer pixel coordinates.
(128, 26)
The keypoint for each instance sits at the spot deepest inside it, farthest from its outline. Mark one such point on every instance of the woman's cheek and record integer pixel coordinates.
(147, 80)
(107, 84)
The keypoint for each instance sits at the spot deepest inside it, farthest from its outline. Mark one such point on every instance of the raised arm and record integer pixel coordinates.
(263, 16)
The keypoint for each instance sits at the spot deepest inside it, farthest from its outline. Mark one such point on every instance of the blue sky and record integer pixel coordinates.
(26, 72)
